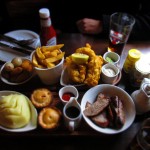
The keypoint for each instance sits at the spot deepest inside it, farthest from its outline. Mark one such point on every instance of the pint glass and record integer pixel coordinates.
(121, 25)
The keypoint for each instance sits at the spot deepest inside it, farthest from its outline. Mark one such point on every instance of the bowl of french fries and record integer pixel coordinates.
(48, 63)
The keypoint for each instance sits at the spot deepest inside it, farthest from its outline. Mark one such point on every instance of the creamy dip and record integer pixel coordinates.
(109, 72)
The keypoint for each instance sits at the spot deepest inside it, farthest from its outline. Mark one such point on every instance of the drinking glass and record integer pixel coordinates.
(121, 25)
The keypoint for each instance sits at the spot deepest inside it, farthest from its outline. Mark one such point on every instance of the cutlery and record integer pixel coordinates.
(25, 51)
(21, 43)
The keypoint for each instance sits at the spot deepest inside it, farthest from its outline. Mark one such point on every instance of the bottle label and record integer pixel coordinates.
(48, 36)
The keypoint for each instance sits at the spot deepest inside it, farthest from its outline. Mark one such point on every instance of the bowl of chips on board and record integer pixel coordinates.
(83, 67)
(48, 63)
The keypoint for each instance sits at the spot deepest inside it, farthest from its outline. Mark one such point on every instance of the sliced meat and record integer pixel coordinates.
(101, 119)
(100, 96)
(118, 111)
(121, 117)
(110, 113)
(87, 104)
(98, 106)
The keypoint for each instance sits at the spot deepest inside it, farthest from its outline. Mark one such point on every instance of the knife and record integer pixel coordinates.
(25, 51)
(13, 40)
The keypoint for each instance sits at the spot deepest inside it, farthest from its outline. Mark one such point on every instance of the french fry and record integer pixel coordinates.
(54, 59)
(51, 48)
(54, 53)
(50, 65)
(35, 62)
(39, 53)
(47, 56)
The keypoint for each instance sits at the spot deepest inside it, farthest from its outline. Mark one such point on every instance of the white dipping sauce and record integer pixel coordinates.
(109, 72)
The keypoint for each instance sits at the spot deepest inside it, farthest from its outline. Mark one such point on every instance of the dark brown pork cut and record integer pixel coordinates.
(119, 113)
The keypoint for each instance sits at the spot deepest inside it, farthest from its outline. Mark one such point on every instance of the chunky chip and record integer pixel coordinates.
(47, 56)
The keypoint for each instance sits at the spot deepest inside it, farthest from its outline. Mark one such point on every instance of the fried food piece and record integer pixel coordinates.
(51, 48)
(86, 50)
(27, 65)
(77, 73)
(94, 71)
(47, 56)
(16, 71)
(39, 53)
(54, 59)
(88, 73)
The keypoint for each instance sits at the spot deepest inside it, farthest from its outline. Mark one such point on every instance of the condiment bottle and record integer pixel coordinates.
(47, 33)
(141, 98)
(133, 56)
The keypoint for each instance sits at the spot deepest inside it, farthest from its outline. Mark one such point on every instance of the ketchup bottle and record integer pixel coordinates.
(47, 33)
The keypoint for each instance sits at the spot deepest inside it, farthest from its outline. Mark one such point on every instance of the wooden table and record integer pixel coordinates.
(84, 137)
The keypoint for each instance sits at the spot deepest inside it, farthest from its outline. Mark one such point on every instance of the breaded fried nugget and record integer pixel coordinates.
(93, 71)
(77, 73)
(88, 73)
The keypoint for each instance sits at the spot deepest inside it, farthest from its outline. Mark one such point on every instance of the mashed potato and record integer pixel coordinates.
(14, 111)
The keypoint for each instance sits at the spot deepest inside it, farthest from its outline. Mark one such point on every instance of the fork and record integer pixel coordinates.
(22, 43)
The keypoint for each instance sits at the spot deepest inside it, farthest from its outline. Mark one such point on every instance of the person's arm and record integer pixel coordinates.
(89, 26)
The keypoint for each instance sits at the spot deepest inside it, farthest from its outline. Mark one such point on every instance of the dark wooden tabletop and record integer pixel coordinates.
(83, 137)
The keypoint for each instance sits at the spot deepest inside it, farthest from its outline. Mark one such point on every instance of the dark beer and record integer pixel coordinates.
(116, 42)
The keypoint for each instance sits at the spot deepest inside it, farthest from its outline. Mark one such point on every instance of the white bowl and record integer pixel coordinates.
(112, 55)
(33, 121)
(49, 76)
(110, 90)
(106, 76)
(68, 89)
(14, 83)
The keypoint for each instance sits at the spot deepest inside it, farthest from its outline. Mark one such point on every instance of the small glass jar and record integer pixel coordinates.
(140, 71)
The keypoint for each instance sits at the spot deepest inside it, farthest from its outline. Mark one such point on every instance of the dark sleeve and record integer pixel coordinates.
(141, 28)
(4, 19)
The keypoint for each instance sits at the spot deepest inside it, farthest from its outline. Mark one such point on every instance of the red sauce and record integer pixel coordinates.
(66, 96)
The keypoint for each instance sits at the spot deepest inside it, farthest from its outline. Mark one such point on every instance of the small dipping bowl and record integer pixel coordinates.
(109, 73)
(111, 57)
(66, 92)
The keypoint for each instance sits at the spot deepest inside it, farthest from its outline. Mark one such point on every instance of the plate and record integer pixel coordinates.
(15, 83)
(65, 80)
(33, 121)
(6, 54)
(109, 90)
